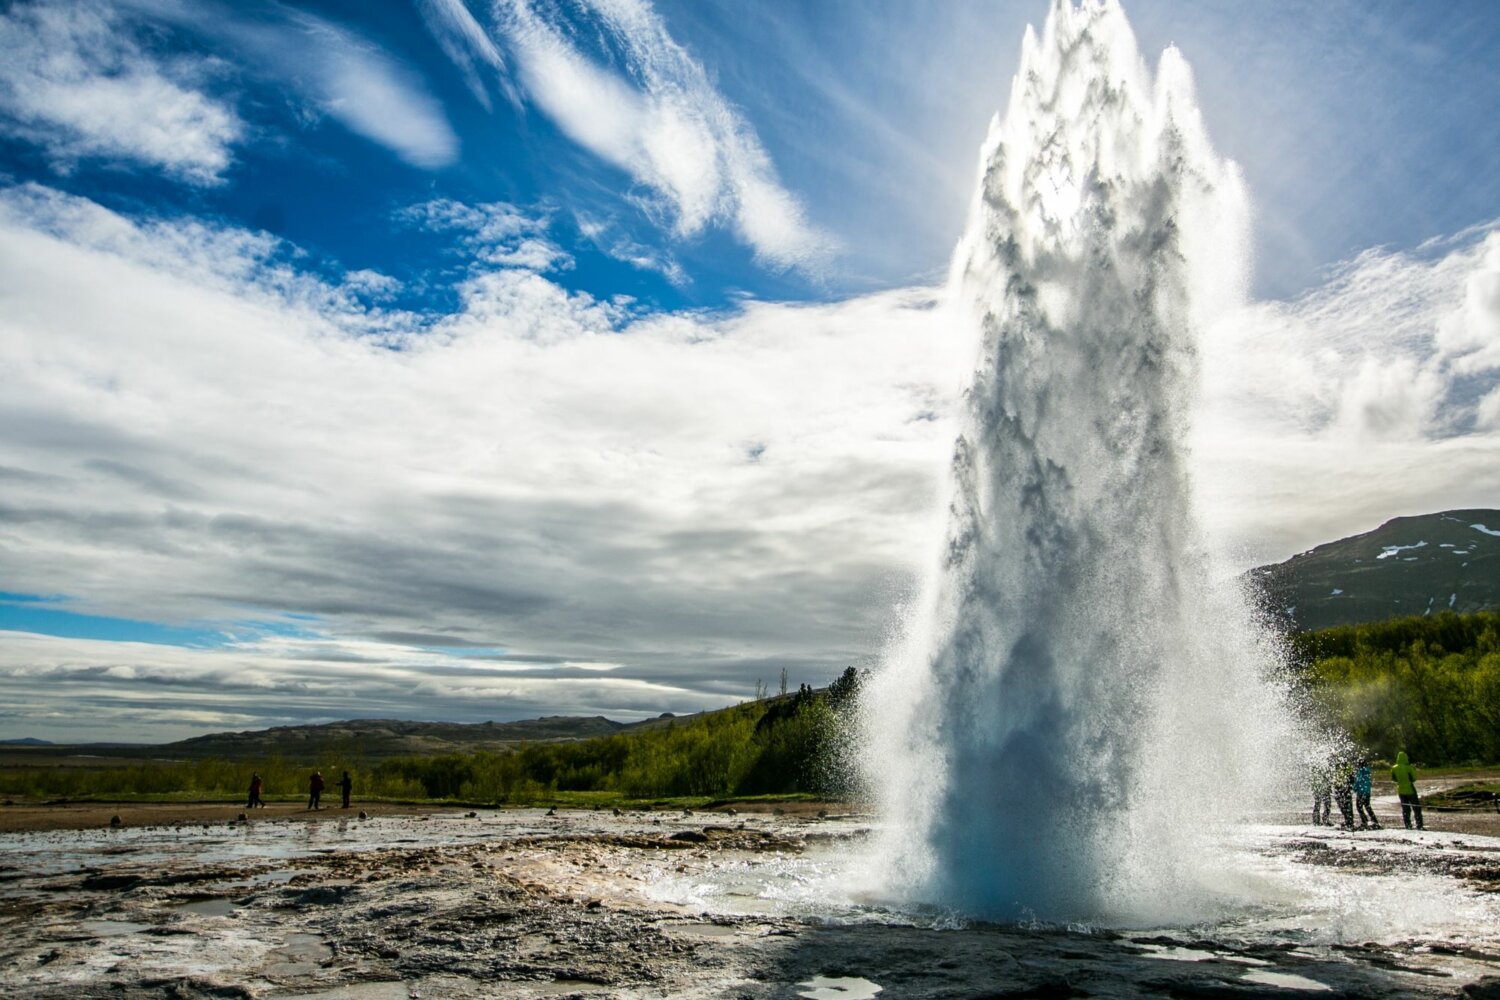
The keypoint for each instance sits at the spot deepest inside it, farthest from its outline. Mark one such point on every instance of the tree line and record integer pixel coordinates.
(1426, 685)
(779, 745)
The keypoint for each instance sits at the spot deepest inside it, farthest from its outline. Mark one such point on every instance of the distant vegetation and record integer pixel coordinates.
(782, 745)
(1426, 685)
(1429, 685)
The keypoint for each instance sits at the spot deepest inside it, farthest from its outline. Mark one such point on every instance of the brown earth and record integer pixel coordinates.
(87, 815)
(22, 816)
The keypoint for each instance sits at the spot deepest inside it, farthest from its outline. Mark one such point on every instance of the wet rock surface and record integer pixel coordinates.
(525, 905)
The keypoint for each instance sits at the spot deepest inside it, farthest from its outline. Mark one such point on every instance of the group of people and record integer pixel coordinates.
(1347, 781)
(315, 788)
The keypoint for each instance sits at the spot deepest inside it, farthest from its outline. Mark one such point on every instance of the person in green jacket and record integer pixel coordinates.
(1405, 777)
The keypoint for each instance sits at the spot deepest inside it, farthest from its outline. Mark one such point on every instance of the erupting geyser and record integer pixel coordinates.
(1080, 702)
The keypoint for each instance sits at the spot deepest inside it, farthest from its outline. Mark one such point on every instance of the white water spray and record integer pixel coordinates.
(1078, 706)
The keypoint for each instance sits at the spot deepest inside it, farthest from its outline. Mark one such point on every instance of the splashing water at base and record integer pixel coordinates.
(1079, 707)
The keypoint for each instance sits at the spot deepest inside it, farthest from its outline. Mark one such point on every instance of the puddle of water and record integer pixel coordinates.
(1175, 953)
(358, 991)
(838, 988)
(111, 928)
(1285, 980)
(702, 929)
(300, 956)
(208, 907)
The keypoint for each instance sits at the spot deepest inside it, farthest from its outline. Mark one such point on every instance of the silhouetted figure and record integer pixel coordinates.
(254, 799)
(315, 791)
(346, 785)
(1322, 788)
(1343, 792)
(1367, 820)
(1405, 777)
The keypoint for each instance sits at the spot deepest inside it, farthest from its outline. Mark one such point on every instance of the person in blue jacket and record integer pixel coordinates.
(1367, 820)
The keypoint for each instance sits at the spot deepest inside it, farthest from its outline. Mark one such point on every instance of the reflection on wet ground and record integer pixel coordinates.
(520, 904)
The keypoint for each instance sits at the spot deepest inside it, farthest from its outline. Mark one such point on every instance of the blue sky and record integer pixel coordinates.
(1357, 124)
(598, 336)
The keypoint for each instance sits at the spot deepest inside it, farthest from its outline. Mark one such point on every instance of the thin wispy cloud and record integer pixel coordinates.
(609, 239)
(469, 47)
(75, 80)
(662, 121)
(369, 93)
(335, 72)
(497, 234)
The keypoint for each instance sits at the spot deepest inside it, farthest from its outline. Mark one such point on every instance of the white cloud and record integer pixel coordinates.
(369, 93)
(665, 124)
(122, 690)
(337, 73)
(494, 233)
(467, 45)
(560, 481)
(607, 237)
(701, 499)
(1371, 396)
(75, 80)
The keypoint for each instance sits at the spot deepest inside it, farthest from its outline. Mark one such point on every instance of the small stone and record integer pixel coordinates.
(116, 821)
(363, 814)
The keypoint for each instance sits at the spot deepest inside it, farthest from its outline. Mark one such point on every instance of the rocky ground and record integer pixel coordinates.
(522, 904)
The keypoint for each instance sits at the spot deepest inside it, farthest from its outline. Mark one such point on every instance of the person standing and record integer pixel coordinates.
(315, 791)
(254, 799)
(1405, 777)
(346, 785)
(1322, 787)
(1343, 791)
(1367, 820)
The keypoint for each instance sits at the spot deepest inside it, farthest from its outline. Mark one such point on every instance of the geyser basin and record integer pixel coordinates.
(1078, 711)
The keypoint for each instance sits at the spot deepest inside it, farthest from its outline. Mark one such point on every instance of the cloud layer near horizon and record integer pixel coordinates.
(546, 502)
(198, 431)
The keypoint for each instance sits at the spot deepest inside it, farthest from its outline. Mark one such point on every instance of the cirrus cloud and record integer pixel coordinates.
(76, 80)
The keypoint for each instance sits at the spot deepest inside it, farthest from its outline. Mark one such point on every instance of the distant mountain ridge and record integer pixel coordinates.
(393, 737)
(1425, 564)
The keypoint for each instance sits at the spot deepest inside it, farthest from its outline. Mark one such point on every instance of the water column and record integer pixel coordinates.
(1079, 701)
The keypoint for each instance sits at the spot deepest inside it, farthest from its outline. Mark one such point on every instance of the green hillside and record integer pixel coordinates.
(1449, 561)
(784, 745)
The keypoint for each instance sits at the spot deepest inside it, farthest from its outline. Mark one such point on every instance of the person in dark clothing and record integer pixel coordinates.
(1405, 777)
(1367, 820)
(346, 785)
(315, 791)
(254, 799)
(1343, 791)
